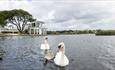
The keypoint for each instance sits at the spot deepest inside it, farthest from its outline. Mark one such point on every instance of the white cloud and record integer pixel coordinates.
(68, 14)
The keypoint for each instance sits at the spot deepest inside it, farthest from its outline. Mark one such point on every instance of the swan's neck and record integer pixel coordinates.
(62, 51)
(46, 41)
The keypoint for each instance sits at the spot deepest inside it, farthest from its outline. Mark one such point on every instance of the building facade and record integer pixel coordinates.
(37, 28)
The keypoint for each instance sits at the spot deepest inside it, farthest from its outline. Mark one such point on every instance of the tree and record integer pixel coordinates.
(3, 15)
(19, 18)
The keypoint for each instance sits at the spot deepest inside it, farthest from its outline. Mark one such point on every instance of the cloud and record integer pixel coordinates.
(68, 14)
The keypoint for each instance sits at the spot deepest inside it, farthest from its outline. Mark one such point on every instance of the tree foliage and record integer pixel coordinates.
(19, 18)
(3, 15)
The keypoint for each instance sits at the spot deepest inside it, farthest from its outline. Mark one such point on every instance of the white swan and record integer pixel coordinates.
(45, 46)
(49, 55)
(60, 58)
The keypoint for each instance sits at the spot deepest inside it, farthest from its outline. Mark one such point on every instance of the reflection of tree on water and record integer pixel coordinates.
(1, 53)
(10, 37)
(3, 38)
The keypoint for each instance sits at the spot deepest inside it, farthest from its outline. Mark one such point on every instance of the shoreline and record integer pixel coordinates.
(18, 35)
(1, 35)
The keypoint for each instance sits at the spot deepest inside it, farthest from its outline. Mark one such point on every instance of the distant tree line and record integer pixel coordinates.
(96, 32)
(105, 32)
(72, 32)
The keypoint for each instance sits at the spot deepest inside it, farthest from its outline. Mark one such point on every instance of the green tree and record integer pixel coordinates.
(3, 15)
(17, 17)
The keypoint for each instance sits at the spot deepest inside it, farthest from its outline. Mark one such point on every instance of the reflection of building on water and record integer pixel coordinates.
(37, 28)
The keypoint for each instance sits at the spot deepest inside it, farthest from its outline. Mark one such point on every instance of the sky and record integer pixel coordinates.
(68, 14)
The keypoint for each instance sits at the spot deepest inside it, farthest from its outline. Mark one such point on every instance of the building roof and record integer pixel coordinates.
(41, 22)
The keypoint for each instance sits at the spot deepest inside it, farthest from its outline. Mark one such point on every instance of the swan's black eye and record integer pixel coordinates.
(59, 46)
(46, 38)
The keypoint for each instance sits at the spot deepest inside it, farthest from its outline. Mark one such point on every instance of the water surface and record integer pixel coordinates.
(85, 52)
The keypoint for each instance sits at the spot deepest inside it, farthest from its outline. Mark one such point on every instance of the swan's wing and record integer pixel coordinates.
(61, 59)
(49, 55)
(43, 46)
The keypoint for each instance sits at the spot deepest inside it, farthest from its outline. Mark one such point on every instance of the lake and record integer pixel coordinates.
(85, 52)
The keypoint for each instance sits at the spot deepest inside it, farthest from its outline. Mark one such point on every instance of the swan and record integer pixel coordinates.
(49, 55)
(60, 58)
(45, 45)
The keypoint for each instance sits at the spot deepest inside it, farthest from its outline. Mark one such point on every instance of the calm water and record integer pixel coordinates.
(85, 52)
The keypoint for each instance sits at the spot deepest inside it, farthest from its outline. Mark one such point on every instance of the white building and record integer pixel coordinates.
(37, 28)
(34, 28)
